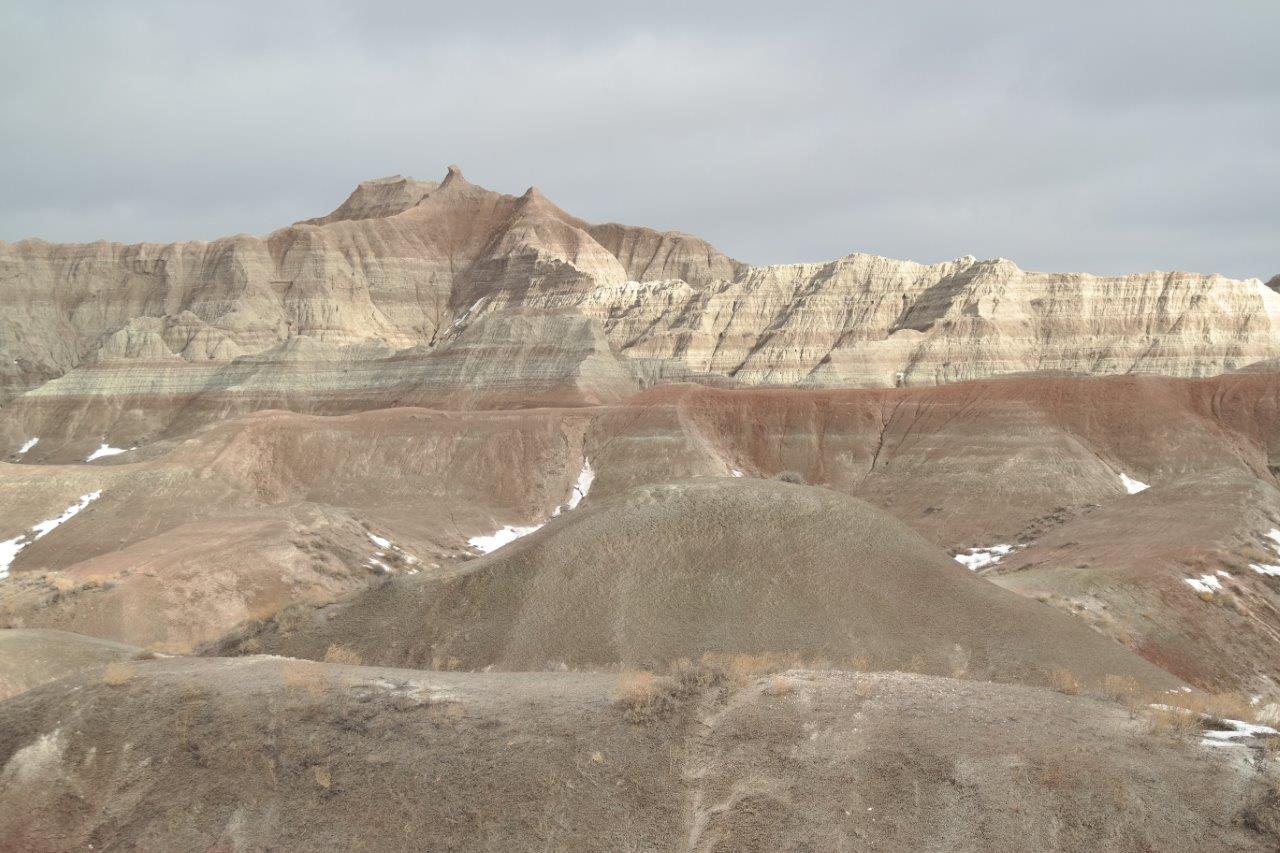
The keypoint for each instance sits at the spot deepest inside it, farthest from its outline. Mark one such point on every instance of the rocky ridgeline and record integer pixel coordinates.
(440, 287)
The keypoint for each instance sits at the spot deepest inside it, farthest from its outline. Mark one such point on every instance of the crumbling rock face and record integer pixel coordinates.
(407, 264)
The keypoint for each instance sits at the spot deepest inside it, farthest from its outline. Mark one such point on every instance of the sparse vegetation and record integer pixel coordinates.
(793, 477)
(1119, 688)
(117, 673)
(342, 654)
(1064, 681)
(304, 677)
(644, 698)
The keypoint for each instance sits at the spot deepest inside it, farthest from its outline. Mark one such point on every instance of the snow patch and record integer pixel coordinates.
(510, 533)
(31, 442)
(1205, 583)
(579, 489)
(1131, 485)
(10, 548)
(583, 484)
(1236, 729)
(977, 558)
(379, 541)
(1265, 569)
(735, 473)
(494, 541)
(107, 450)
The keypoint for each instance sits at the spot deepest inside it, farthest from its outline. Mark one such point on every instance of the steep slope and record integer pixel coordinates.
(730, 566)
(272, 754)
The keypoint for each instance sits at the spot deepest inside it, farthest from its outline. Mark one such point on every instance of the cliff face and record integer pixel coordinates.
(425, 287)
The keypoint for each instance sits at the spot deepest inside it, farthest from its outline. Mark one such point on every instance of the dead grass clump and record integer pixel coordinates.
(117, 673)
(643, 698)
(864, 688)
(304, 677)
(1064, 681)
(779, 685)
(1230, 706)
(793, 477)
(1170, 721)
(447, 663)
(342, 654)
(693, 677)
(1119, 688)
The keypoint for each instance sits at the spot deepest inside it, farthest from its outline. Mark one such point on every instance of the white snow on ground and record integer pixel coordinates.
(9, 548)
(976, 558)
(510, 533)
(579, 489)
(379, 541)
(1204, 583)
(45, 527)
(107, 450)
(494, 541)
(583, 485)
(1239, 729)
(1131, 485)
(381, 565)
(31, 442)
(1269, 569)
(735, 472)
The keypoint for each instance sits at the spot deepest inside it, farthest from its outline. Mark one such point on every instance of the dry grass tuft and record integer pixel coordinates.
(117, 673)
(1119, 688)
(643, 698)
(447, 663)
(1064, 681)
(342, 654)
(322, 776)
(305, 677)
(1170, 721)
(780, 685)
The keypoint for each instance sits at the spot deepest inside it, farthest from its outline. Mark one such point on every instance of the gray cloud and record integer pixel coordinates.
(1110, 137)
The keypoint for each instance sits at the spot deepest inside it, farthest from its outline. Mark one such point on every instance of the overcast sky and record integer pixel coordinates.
(1103, 136)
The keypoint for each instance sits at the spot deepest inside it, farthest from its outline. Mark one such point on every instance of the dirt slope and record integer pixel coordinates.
(729, 565)
(30, 657)
(259, 753)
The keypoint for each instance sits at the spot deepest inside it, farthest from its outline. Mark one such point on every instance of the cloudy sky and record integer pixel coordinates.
(1103, 136)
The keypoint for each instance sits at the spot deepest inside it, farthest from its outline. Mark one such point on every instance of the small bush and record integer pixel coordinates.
(779, 685)
(342, 654)
(1119, 687)
(793, 477)
(304, 677)
(117, 673)
(1064, 681)
(1171, 721)
(642, 697)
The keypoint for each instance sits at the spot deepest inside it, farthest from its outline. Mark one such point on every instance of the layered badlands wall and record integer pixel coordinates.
(451, 295)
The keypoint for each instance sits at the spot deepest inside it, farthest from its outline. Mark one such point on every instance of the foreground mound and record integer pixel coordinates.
(256, 753)
(29, 657)
(709, 566)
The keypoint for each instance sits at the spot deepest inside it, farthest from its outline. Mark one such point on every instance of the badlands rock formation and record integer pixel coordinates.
(810, 536)
(450, 294)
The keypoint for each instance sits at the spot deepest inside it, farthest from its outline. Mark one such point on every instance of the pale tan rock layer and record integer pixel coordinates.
(429, 267)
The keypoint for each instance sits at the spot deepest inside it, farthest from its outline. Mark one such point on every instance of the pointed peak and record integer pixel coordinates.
(453, 175)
